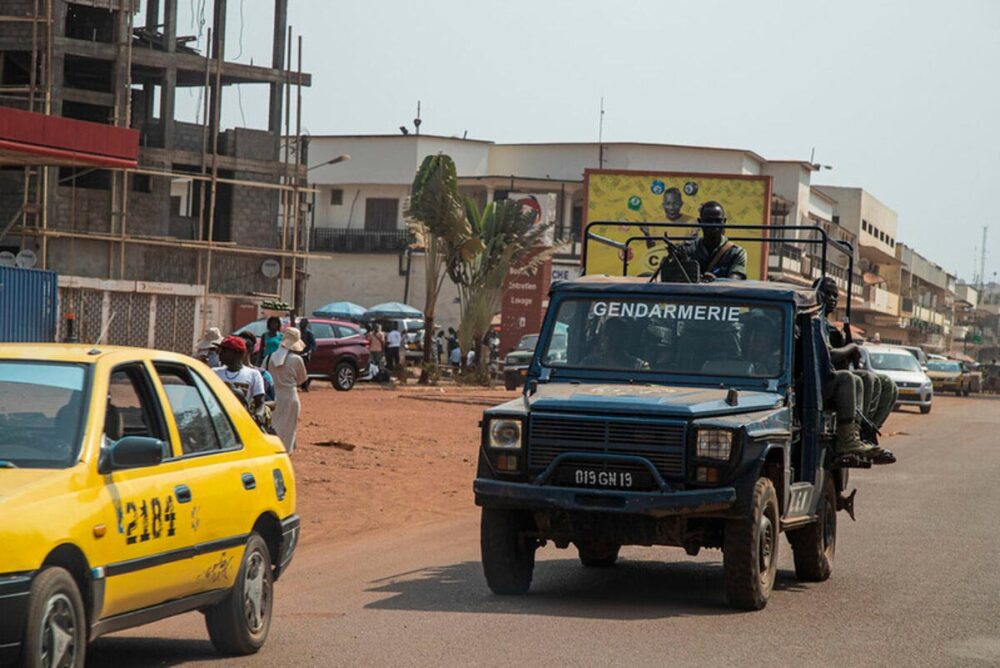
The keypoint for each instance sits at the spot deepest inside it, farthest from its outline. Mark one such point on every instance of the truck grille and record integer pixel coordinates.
(661, 443)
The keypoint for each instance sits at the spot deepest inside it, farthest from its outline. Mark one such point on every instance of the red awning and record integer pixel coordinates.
(28, 138)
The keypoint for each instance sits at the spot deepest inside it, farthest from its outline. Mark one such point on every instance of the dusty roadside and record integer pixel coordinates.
(373, 459)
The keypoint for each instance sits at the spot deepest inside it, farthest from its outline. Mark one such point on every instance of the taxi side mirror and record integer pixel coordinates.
(131, 452)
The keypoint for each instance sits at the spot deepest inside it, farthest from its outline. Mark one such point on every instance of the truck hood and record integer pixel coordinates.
(672, 400)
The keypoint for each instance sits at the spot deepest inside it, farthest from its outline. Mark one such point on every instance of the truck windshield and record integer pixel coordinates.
(675, 337)
(41, 405)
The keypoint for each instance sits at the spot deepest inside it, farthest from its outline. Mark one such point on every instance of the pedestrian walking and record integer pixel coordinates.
(251, 342)
(308, 338)
(289, 372)
(245, 381)
(439, 347)
(207, 350)
(393, 341)
(270, 339)
(376, 345)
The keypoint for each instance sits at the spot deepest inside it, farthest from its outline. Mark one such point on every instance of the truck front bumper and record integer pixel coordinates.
(528, 496)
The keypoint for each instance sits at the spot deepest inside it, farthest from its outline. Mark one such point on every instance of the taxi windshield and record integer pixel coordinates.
(669, 336)
(949, 367)
(41, 414)
(894, 362)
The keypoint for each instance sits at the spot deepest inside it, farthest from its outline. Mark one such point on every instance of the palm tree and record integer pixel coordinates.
(437, 220)
(509, 238)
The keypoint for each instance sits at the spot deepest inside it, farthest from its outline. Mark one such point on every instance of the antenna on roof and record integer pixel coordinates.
(600, 137)
(417, 121)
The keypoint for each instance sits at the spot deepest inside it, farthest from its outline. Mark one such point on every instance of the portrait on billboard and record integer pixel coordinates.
(619, 203)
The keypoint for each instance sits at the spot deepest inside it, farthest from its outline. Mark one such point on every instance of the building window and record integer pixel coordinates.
(336, 196)
(92, 24)
(864, 225)
(381, 214)
(836, 220)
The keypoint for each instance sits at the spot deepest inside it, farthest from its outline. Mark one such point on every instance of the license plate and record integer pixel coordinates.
(523, 372)
(907, 393)
(601, 479)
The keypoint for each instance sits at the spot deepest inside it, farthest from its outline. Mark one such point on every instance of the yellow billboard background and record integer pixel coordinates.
(637, 197)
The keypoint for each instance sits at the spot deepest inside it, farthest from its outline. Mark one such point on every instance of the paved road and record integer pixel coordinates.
(916, 583)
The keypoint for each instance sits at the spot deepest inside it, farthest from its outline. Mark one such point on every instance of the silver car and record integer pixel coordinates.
(903, 368)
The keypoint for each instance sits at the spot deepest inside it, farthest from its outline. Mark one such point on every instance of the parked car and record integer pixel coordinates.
(950, 376)
(136, 486)
(901, 365)
(519, 359)
(341, 353)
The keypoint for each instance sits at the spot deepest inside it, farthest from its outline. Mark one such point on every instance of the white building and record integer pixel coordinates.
(358, 217)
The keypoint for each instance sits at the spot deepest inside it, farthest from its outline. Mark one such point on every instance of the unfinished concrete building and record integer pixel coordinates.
(209, 219)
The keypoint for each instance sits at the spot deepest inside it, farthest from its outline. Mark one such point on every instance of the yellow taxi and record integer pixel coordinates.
(134, 485)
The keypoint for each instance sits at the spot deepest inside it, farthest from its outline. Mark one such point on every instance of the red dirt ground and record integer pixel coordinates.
(413, 459)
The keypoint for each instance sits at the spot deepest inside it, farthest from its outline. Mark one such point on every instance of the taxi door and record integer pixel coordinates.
(223, 486)
(145, 552)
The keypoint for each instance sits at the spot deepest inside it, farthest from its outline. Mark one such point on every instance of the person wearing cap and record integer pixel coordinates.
(245, 382)
(289, 372)
(207, 350)
(717, 256)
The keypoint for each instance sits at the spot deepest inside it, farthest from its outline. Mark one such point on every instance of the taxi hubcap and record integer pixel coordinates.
(256, 595)
(58, 633)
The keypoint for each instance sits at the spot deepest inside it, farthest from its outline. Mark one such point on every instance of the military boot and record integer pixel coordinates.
(849, 441)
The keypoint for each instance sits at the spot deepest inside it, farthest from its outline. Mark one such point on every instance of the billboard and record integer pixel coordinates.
(623, 196)
(543, 208)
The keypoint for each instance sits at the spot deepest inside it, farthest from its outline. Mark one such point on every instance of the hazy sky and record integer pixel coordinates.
(901, 97)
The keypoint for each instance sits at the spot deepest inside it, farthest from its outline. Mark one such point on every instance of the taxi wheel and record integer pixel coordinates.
(813, 546)
(240, 623)
(508, 554)
(56, 630)
(750, 551)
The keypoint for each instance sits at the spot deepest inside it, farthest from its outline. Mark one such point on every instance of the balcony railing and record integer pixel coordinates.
(359, 241)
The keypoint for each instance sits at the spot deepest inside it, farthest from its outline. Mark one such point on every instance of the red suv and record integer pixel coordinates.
(341, 349)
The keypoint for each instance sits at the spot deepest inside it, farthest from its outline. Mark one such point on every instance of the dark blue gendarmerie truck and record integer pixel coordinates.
(677, 414)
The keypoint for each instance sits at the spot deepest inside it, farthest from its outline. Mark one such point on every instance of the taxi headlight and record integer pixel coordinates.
(505, 433)
(714, 444)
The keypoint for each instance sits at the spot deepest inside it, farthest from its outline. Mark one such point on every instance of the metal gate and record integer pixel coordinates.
(27, 305)
(145, 319)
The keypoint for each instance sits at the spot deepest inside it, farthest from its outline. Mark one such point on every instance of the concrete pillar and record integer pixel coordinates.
(567, 213)
(152, 14)
(218, 51)
(168, 94)
(278, 62)
(490, 191)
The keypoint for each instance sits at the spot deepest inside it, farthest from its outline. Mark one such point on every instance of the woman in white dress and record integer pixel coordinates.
(288, 371)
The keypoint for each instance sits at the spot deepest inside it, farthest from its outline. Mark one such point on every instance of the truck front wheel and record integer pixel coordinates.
(813, 546)
(508, 552)
(750, 551)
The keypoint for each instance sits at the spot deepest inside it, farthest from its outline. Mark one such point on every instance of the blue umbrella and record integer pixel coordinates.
(393, 310)
(341, 310)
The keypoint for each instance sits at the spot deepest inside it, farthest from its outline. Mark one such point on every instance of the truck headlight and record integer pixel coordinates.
(505, 433)
(714, 444)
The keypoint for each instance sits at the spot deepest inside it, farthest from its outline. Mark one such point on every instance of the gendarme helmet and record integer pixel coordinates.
(712, 213)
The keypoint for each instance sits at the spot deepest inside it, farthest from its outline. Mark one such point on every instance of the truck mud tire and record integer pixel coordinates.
(925, 409)
(55, 632)
(239, 624)
(813, 546)
(508, 554)
(344, 375)
(598, 555)
(750, 551)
